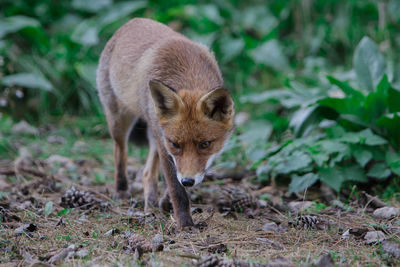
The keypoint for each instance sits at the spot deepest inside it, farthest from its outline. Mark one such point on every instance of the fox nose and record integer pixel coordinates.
(187, 181)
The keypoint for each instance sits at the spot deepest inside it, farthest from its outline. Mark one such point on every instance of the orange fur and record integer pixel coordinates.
(149, 72)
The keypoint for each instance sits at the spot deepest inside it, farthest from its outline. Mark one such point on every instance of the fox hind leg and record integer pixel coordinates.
(120, 126)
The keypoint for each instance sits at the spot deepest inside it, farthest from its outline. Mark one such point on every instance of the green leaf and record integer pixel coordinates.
(303, 118)
(271, 55)
(263, 172)
(87, 32)
(380, 171)
(368, 63)
(363, 137)
(393, 160)
(16, 23)
(371, 139)
(375, 104)
(118, 11)
(332, 177)
(230, 48)
(391, 123)
(362, 156)
(300, 183)
(393, 99)
(91, 5)
(346, 88)
(335, 176)
(258, 18)
(87, 71)
(48, 208)
(297, 161)
(209, 11)
(27, 80)
(64, 212)
(354, 173)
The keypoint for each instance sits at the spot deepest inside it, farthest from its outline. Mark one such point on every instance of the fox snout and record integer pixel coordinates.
(190, 180)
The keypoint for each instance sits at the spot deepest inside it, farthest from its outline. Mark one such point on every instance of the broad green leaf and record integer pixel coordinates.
(277, 94)
(393, 99)
(118, 11)
(294, 162)
(86, 33)
(209, 11)
(263, 172)
(256, 131)
(48, 208)
(27, 80)
(369, 64)
(346, 88)
(391, 123)
(230, 48)
(375, 104)
(393, 160)
(258, 19)
(363, 137)
(87, 71)
(303, 118)
(271, 55)
(362, 156)
(16, 23)
(354, 173)
(371, 139)
(380, 171)
(91, 5)
(332, 177)
(300, 183)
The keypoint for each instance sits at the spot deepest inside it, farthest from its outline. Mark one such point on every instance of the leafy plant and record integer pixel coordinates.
(350, 136)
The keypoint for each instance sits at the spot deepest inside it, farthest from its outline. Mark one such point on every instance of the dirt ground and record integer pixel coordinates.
(58, 209)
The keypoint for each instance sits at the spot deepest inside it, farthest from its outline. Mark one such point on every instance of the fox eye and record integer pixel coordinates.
(175, 145)
(204, 145)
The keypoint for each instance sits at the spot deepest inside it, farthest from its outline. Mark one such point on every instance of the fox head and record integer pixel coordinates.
(195, 127)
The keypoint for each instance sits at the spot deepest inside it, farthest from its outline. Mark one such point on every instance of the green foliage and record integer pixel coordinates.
(343, 137)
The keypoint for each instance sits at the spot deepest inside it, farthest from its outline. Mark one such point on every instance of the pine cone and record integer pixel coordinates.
(307, 222)
(138, 242)
(236, 199)
(209, 261)
(80, 199)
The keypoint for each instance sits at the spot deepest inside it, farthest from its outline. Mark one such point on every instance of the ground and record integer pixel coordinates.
(45, 173)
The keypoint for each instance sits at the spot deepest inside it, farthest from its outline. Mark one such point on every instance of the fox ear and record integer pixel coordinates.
(217, 105)
(166, 101)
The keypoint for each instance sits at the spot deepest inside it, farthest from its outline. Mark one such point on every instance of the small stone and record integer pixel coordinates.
(63, 161)
(82, 253)
(23, 127)
(374, 237)
(392, 248)
(271, 227)
(386, 213)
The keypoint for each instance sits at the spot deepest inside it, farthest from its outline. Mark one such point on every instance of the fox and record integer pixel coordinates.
(152, 76)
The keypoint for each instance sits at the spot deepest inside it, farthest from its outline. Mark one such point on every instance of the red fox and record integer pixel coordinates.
(150, 75)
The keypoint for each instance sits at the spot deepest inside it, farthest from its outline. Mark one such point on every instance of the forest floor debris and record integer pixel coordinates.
(59, 208)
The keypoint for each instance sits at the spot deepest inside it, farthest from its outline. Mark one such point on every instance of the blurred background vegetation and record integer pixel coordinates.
(320, 80)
